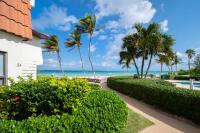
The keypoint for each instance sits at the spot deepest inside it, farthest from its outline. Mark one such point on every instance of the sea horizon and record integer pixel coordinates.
(90, 73)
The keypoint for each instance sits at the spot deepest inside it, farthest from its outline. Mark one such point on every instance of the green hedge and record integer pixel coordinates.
(102, 111)
(181, 102)
(180, 77)
(44, 96)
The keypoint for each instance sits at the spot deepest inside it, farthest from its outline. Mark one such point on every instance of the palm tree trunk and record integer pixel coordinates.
(60, 63)
(149, 65)
(169, 69)
(136, 67)
(89, 55)
(189, 63)
(81, 59)
(142, 67)
(161, 69)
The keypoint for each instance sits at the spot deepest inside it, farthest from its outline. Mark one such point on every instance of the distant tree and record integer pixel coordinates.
(51, 45)
(197, 63)
(190, 53)
(75, 41)
(177, 61)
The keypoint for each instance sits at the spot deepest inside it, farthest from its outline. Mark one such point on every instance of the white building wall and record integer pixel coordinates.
(22, 56)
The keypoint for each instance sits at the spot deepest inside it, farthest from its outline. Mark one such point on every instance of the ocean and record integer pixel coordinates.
(90, 73)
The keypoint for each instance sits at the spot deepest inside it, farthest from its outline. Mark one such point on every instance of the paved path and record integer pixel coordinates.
(163, 122)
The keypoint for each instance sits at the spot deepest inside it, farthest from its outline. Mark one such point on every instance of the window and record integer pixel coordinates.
(2, 68)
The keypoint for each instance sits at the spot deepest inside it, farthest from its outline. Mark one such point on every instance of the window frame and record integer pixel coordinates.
(4, 77)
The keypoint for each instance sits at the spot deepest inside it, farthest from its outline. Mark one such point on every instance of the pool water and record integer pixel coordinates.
(196, 84)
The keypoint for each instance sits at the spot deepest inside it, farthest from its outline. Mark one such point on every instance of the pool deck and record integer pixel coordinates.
(183, 85)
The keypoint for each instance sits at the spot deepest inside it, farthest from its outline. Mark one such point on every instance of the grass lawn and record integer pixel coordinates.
(136, 122)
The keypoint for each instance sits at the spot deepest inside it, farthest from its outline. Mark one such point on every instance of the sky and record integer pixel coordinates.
(180, 18)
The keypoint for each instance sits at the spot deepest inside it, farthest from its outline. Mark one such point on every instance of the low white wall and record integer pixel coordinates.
(23, 56)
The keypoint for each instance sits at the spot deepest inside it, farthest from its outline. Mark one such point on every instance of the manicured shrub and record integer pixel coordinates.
(197, 78)
(180, 77)
(101, 111)
(45, 96)
(181, 102)
(165, 76)
(95, 87)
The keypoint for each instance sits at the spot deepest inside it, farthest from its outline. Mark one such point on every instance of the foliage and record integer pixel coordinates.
(102, 111)
(182, 77)
(192, 72)
(88, 25)
(146, 43)
(75, 41)
(197, 64)
(181, 102)
(44, 96)
(51, 45)
(190, 53)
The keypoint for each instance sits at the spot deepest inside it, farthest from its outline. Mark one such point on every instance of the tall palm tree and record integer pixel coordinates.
(154, 42)
(162, 59)
(149, 41)
(190, 53)
(88, 25)
(75, 41)
(166, 49)
(130, 46)
(51, 45)
(125, 59)
(177, 61)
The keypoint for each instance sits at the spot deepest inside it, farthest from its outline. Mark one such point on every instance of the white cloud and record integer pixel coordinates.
(93, 48)
(164, 25)
(102, 37)
(114, 47)
(112, 24)
(129, 12)
(179, 54)
(197, 50)
(54, 17)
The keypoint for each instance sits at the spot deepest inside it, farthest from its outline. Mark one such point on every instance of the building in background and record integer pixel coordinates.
(20, 48)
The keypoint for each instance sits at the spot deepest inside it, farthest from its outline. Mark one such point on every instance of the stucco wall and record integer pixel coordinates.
(22, 56)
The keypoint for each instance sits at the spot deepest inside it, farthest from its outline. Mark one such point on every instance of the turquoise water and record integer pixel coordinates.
(90, 73)
(196, 84)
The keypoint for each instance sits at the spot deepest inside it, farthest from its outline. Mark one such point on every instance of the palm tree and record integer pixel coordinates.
(190, 53)
(154, 42)
(177, 61)
(130, 46)
(162, 59)
(149, 40)
(75, 41)
(88, 25)
(125, 59)
(51, 45)
(166, 49)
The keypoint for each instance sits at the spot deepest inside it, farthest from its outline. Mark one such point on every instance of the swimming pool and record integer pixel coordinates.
(196, 84)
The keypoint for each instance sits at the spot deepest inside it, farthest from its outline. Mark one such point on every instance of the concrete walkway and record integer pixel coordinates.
(163, 122)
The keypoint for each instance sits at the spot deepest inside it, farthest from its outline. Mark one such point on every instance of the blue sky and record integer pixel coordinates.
(180, 18)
